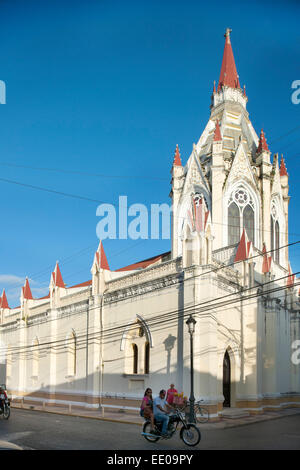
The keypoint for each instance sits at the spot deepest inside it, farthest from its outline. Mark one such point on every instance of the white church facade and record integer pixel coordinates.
(101, 343)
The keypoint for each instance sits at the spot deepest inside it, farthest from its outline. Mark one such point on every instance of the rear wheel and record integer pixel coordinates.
(190, 435)
(146, 429)
(202, 414)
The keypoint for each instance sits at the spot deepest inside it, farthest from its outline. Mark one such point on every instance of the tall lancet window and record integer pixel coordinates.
(248, 222)
(233, 224)
(275, 233)
(240, 215)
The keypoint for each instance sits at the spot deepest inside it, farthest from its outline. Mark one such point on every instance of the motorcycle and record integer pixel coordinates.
(4, 403)
(189, 433)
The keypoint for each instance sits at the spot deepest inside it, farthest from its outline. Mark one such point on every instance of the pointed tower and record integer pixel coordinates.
(56, 286)
(229, 87)
(228, 75)
(26, 300)
(100, 270)
(177, 181)
(263, 162)
(4, 303)
(57, 277)
(26, 291)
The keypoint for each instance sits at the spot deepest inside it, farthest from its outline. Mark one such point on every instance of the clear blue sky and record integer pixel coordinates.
(110, 87)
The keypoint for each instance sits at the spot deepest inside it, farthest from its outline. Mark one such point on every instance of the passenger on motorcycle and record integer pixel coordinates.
(160, 406)
(146, 407)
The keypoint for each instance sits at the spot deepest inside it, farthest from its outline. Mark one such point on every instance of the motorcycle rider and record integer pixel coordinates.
(160, 411)
(2, 392)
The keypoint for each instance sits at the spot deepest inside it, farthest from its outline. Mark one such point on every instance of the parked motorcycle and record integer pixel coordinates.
(189, 433)
(4, 403)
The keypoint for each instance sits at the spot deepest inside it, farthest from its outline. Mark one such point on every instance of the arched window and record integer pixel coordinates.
(275, 233)
(233, 224)
(136, 343)
(277, 241)
(240, 215)
(248, 222)
(135, 359)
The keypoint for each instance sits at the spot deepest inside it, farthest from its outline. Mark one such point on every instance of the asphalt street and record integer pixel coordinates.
(34, 430)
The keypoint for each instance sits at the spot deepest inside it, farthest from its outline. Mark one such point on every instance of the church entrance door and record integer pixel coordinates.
(226, 380)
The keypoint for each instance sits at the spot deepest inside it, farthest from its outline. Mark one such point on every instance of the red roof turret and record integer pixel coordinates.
(4, 303)
(262, 144)
(101, 257)
(243, 249)
(217, 133)
(228, 75)
(57, 277)
(177, 159)
(26, 290)
(282, 170)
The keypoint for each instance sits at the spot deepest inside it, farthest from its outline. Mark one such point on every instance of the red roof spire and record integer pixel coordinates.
(262, 144)
(57, 277)
(101, 257)
(266, 264)
(4, 303)
(228, 75)
(217, 134)
(291, 278)
(177, 159)
(283, 171)
(243, 249)
(26, 290)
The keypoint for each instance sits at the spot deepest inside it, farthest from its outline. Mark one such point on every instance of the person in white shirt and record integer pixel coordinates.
(160, 412)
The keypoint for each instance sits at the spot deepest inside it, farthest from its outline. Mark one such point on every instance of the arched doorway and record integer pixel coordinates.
(226, 380)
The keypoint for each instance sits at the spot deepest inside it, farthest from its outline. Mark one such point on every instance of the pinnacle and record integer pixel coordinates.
(283, 171)
(217, 133)
(228, 75)
(262, 144)
(177, 159)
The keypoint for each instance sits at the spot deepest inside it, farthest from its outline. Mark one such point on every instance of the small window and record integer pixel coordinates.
(135, 358)
(147, 357)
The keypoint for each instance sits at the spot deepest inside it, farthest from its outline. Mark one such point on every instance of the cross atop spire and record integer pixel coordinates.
(227, 35)
(228, 75)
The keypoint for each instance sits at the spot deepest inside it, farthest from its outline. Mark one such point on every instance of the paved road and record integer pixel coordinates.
(40, 431)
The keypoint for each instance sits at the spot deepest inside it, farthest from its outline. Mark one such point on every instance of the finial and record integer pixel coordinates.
(227, 34)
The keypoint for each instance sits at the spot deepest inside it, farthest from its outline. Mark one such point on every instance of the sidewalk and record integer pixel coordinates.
(134, 418)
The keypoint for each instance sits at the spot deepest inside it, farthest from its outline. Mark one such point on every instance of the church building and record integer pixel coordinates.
(101, 343)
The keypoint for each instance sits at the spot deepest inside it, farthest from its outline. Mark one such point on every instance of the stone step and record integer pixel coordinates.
(234, 413)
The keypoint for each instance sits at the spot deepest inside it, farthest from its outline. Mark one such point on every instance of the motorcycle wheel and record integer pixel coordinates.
(190, 435)
(146, 428)
(6, 412)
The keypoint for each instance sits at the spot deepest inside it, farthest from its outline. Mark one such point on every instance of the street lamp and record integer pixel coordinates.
(191, 322)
